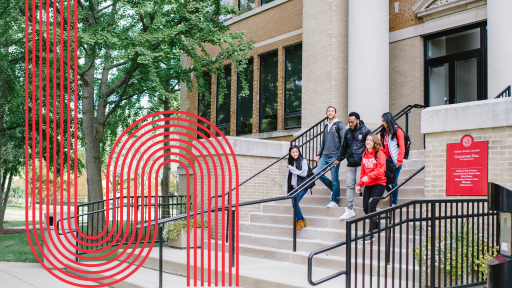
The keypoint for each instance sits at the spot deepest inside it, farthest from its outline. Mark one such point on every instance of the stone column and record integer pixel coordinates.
(499, 42)
(368, 59)
(324, 60)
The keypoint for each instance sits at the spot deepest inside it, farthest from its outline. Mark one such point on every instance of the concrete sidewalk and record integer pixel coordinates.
(30, 275)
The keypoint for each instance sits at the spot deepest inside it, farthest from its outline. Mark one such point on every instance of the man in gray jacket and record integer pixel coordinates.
(330, 151)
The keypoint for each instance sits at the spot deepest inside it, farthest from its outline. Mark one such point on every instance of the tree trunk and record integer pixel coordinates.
(165, 182)
(93, 133)
(3, 96)
(4, 200)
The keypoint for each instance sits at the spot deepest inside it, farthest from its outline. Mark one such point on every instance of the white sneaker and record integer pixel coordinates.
(332, 205)
(348, 214)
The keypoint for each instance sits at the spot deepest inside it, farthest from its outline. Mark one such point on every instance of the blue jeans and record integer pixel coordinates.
(394, 196)
(333, 185)
(299, 197)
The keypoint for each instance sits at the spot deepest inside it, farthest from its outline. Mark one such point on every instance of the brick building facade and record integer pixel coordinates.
(332, 55)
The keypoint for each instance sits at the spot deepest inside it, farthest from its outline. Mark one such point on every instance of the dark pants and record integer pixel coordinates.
(371, 192)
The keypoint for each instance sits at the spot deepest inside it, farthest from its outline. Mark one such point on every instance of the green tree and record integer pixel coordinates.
(11, 99)
(134, 49)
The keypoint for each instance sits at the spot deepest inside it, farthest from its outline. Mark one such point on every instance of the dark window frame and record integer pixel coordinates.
(237, 98)
(259, 90)
(199, 106)
(239, 2)
(222, 126)
(261, 2)
(451, 59)
(293, 114)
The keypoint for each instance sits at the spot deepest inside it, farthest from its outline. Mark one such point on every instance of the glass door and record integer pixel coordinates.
(466, 79)
(439, 84)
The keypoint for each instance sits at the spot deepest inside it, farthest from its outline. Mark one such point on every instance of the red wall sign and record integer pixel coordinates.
(466, 167)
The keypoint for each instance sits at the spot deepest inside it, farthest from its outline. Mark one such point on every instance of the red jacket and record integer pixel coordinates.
(401, 146)
(374, 170)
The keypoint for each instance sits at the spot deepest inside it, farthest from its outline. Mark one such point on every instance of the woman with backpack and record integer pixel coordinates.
(298, 168)
(393, 146)
(373, 169)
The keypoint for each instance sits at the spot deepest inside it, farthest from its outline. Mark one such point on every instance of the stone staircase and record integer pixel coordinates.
(266, 242)
(268, 234)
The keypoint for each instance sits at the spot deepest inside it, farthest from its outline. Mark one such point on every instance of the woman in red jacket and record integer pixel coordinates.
(373, 169)
(393, 145)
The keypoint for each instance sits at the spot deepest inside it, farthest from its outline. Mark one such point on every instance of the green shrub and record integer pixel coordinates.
(17, 195)
(457, 254)
(173, 229)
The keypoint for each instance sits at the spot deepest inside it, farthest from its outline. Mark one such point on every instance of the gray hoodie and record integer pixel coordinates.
(332, 139)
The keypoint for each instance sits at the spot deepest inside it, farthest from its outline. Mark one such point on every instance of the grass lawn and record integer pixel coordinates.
(15, 248)
(17, 223)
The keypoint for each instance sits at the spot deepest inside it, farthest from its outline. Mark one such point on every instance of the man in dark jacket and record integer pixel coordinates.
(353, 148)
(330, 151)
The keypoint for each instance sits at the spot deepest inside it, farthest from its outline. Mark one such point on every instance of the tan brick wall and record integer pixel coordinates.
(406, 85)
(325, 60)
(405, 17)
(266, 185)
(499, 165)
(271, 23)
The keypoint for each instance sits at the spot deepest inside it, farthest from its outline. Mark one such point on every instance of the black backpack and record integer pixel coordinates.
(390, 170)
(407, 141)
(310, 174)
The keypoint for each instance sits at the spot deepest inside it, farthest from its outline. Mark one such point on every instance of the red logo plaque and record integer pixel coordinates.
(466, 167)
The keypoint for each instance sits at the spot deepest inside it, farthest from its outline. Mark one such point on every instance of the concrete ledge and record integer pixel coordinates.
(252, 147)
(272, 134)
(465, 116)
(451, 21)
(255, 11)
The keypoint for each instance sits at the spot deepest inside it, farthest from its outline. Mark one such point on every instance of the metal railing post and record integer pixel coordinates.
(433, 245)
(388, 235)
(160, 255)
(407, 122)
(233, 238)
(349, 255)
(294, 224)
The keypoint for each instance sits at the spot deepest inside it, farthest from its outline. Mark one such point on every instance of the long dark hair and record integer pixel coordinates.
(391, 129)
(290, 157)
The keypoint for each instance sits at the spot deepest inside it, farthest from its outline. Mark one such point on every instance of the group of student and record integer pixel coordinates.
(366, 156)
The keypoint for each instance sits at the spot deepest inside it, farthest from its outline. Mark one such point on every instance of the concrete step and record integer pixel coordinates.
(143, 277)
(310, 232)
(309, 211)
(322, 201)
(306, 245)
(253, 272)
(328, 261)
(404, 192)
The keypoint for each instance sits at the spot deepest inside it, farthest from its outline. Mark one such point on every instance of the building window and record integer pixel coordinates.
(245, 5)
(268, 92)
(293, 87)
(204, 107)
(226, 17)
(456, 66)
(244, 102)
(263, 2)
(224, 102)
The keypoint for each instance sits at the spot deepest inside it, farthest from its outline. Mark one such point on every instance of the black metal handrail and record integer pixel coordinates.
(315, 127)
(316, 130)
(436, 213)
(343, 243)
(505, 93)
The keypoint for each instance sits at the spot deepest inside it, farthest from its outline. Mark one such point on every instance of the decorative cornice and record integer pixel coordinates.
(440, 2)
(427, 7)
